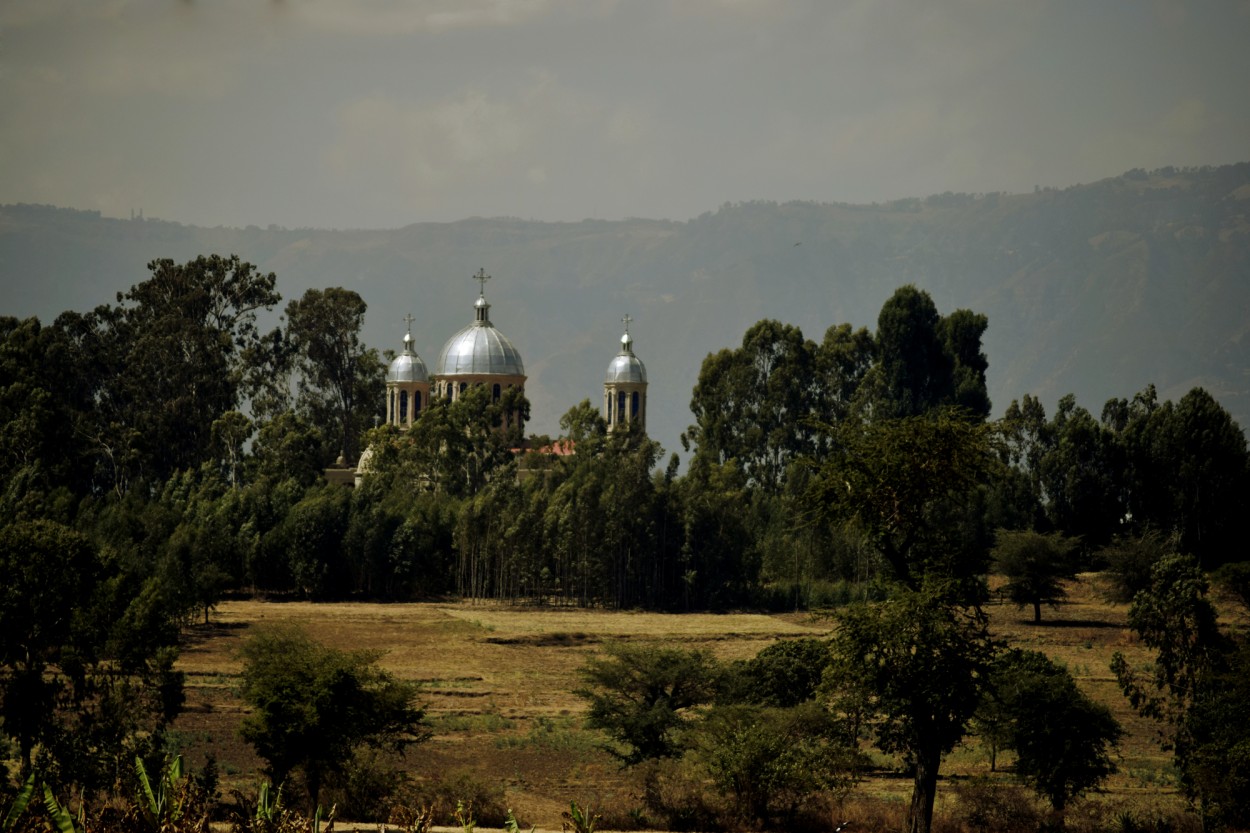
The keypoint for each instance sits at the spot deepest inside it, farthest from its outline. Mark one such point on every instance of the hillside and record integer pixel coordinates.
(1096, 290)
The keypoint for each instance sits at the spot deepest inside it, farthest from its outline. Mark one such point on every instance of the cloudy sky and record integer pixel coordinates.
(380, 113)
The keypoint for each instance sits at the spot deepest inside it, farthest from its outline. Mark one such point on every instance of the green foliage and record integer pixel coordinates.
(20, 802)
(782, 675)
(924, 361)
(63, 821)
(909, 484)
(164, 804)
(914, 667)
(314, 706)
(51, 573)
(771, 761)
(1062, 738)
(1216, 761)
(1174, 617)
(578, 819)
(644, 696)
(1235, 578)
(341, 382)
(179, 351)
(1188, 470)
(1035, 566)
(1130, 559)
(1196, 689)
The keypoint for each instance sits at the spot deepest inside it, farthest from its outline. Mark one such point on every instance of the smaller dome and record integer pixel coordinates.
(627, 367)
(407, 366)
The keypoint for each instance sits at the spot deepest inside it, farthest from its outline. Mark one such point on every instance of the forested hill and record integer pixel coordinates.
(1096, 290)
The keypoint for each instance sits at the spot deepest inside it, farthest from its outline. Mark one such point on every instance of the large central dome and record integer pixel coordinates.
(479, 350)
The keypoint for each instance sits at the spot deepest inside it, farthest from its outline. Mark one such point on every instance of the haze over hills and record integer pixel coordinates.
(1096, 290)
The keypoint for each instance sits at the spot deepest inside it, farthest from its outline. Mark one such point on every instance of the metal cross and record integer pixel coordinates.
(627, 319)
(409, 319)
(482, 278)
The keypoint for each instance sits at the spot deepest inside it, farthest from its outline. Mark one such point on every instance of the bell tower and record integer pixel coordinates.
(625, 387)
(407, 384)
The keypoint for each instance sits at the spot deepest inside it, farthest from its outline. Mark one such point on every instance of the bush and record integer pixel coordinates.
(986, 805)
(365, 789)
(774, 762)
(642, 695)
(443, 794)
(784, 674)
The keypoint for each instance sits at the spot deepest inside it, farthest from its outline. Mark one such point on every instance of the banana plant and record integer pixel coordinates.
(62, 820)
(578, 820)
(268, 803)
(160, 804)
(20, 802)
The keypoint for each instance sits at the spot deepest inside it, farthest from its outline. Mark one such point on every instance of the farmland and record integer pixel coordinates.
(498, 683)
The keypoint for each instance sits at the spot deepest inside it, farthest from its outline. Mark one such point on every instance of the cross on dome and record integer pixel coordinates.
(408, 319)
(628, 318)
(481, 277)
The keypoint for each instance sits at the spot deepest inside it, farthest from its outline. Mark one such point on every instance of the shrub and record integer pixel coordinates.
(986, 805)
(443, 794)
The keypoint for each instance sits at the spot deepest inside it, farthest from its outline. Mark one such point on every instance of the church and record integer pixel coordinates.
(479, 354)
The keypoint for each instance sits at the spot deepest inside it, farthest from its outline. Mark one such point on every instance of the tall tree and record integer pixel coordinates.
(341, 382)
(752, 404)
(1188, 470)
(1081, 473)
(916, 664)
(1185, 687)
(925, 361)
(175, 355)
(910, 485)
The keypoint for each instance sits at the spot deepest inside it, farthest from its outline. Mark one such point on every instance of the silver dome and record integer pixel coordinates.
(407, 366)
(480, 349)
(627, 367)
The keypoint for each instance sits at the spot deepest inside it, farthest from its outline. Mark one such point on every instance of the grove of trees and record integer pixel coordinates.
(163, 451)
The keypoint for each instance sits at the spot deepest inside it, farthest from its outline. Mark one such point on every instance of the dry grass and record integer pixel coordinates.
(498, 683)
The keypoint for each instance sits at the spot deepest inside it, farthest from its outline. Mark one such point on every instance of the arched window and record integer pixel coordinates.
(416, 403)
(620, 405)
(495, 392)
(633, 413)
(403, 406)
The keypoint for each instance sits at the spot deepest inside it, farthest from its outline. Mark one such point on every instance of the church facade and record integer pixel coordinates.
(480, 355)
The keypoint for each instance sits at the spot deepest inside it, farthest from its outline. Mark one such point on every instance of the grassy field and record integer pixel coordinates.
(498, 682)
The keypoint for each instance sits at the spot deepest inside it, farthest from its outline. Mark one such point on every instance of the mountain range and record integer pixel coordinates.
(1096, 290)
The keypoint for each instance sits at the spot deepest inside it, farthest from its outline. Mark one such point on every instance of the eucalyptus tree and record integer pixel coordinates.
(1187, 470)
(1081, 475)
(925, 361)
(177, 352)
(341, 382)
(752, 404)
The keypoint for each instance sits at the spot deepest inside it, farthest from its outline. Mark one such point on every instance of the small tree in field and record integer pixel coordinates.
(1061, 737)
(642, 696)
(914, 665)
(1036, 566)
(314, 706)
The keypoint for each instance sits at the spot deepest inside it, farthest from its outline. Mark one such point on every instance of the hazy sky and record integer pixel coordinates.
(380, 113)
